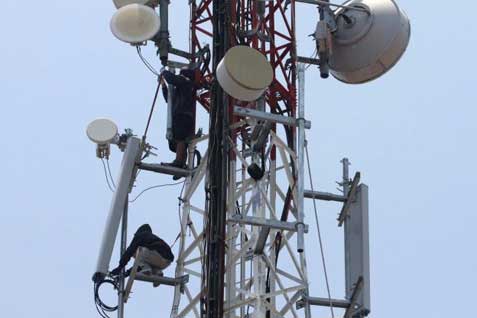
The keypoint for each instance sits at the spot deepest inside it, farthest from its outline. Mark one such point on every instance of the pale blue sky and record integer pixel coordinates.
(411, 134)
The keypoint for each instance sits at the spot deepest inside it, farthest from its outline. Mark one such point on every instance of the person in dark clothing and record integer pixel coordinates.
(157, 250)
(183, 109)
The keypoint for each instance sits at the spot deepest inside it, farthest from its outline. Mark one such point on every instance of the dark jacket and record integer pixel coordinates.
(183, 102)
(145, 238)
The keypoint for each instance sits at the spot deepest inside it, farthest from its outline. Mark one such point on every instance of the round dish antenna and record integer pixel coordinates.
(122, 3)
(135, 23)
(367, 44)
(244, 73)
(102, 131)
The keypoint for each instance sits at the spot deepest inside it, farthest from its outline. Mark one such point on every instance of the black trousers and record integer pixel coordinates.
(182, 129)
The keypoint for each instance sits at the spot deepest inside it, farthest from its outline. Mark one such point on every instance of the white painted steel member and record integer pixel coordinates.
(125, 180)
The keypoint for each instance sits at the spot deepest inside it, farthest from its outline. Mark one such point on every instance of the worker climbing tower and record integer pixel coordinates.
(244, 202)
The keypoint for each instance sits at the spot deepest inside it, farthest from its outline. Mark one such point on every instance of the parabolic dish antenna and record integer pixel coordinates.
(135, 23)
(102, 131)
(122, 3)
(367, 45)
(244, 73)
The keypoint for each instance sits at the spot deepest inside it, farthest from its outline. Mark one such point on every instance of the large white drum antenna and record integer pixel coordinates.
(367, 43)
(135, 23)
(244, 73)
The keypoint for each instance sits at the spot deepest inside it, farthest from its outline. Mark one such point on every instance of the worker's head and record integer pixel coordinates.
(145, 228)
(188, 73)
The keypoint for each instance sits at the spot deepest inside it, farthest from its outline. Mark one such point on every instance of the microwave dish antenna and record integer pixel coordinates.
(369, 42)
(135, 23)
(244, 73)
(102, 131)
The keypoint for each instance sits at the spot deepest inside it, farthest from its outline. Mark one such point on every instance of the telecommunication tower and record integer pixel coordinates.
(247, 255)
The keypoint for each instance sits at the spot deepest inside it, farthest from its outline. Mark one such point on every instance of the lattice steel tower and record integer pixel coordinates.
(246, 254)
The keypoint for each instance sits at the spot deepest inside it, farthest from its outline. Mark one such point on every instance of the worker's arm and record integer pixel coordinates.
(132, 248)
(174, 79)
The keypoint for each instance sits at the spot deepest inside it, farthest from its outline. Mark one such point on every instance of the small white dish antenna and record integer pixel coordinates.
(244, 73)
(122, 3)
(135, 23)
(102, 131)
(367, 44)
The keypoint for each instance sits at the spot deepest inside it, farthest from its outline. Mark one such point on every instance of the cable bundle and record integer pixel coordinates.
(101, 307)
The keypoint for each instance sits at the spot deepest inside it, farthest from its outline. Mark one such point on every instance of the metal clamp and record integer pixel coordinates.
(290, 121)
(354, 298)
(352, 192)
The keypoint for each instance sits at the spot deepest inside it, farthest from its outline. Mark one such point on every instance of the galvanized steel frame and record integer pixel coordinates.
(270, 287)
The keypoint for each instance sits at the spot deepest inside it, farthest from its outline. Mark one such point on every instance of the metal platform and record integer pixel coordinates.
(165, 169)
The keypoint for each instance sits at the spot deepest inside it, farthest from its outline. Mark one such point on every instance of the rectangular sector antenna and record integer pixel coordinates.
(357, 248)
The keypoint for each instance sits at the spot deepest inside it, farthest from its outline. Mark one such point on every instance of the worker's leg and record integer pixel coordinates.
(155, 260)
(181, 152)
(183, 128)
(178, 131)
(181, 155)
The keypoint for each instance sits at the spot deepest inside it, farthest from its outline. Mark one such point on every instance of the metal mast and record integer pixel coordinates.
(244, 224)
(243, 254)
(250, 258)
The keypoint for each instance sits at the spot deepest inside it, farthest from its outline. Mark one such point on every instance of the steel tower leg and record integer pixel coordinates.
(124, 243)
(301, 178)
(218, 164)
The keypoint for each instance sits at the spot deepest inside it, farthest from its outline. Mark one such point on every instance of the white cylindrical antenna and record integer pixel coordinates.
(135, 23)
(244, 73)
(102, 131)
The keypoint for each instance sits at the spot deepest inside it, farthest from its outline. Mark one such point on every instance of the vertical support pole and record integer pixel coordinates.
(273, 233)
(164, 43)
(125, 181)
(301, 159)
(124, 239)
(347, 248)
(301, 180)
(258, 210)
(323, 50)
(243, 260)
(170, 93)
(231, 237)
(345, 181)
(259, 266)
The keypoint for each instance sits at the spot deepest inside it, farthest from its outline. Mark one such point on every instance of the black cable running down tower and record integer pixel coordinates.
(218, 164)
